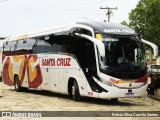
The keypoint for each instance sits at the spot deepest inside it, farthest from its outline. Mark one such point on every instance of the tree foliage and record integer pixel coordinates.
(145, 19)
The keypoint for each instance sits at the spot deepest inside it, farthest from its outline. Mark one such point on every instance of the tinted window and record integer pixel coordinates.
(18, 47)
(23, 46)
(8, 47)
(46, 47)
(81, 31)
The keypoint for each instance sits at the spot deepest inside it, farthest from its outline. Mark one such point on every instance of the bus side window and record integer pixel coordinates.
(86, 32)
(7, 48)
(45, 47)
(23, 46)
(13, 46)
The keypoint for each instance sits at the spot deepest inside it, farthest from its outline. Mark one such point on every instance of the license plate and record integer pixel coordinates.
(129, 94)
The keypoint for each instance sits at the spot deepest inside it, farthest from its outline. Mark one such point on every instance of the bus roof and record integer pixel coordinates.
(98, 27)
(107, 27)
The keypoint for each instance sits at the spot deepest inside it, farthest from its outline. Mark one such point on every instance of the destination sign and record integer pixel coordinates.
(119, 31)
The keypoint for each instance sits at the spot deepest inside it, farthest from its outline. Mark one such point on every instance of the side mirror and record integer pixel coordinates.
(154, 47)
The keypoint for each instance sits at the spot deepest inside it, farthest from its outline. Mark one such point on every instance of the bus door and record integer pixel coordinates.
(91, 68)
(90, 59)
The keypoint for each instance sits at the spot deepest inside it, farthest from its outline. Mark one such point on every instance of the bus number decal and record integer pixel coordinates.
(113, 81)
(90, 93)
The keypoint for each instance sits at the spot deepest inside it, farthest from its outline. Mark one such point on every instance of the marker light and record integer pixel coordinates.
(99, 36)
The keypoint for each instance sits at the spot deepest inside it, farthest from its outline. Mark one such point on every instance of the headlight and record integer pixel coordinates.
(106, 82)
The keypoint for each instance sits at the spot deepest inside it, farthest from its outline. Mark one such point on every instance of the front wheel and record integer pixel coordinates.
(75, 92)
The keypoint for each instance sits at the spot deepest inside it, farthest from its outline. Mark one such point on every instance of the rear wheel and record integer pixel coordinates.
(75, 91)
(17, 85)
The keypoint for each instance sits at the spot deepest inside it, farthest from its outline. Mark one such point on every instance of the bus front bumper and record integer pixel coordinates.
(114, 92)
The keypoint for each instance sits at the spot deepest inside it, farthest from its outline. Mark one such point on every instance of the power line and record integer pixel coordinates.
(109, 12)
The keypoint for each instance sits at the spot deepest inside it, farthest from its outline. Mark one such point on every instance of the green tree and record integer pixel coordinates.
(145, 19)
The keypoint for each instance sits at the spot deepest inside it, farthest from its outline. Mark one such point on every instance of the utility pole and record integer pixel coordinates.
(109, 12)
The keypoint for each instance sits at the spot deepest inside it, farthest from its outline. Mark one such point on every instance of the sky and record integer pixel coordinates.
(20, 17)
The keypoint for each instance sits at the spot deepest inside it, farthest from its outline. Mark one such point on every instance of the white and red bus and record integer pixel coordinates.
(93, 59)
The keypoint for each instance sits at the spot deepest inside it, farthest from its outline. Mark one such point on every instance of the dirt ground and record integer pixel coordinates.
(47, 101)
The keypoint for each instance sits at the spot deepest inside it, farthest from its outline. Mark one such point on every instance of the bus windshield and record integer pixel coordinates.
(124, 57)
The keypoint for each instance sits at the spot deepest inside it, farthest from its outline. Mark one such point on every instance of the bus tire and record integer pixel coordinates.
(114, 99)
(17, 85)
(75, 92)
